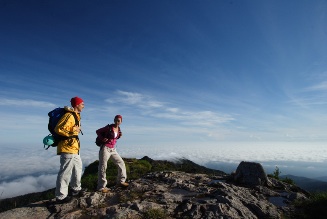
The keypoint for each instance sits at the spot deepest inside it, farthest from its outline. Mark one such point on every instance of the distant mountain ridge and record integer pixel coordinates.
(322, 178)
(311, 185)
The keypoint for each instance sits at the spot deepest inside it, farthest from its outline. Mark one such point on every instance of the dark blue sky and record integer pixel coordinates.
(238, 70)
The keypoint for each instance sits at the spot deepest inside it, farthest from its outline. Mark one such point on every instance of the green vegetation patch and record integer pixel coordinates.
(155, 213)
(315, 207)
(276, 175)
(134, 168)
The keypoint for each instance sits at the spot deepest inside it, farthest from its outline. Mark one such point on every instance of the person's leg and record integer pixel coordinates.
(104, 156)
(116, 158)
(64, 176)
(77, 173)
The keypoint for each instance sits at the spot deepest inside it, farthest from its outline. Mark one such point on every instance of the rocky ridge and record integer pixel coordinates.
(247, 193)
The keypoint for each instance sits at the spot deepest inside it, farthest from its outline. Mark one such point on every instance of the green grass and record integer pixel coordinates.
(155, 213)
(134, 168)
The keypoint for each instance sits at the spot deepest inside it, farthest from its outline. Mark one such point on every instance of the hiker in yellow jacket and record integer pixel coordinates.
(70, 161)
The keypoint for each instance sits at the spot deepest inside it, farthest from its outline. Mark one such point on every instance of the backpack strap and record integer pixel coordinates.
(109, 130)
(76, 121)
(75, 117)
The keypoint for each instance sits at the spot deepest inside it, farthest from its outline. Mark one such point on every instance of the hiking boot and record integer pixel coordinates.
(78, 192)
(104, 190)
(67, 199)
(123, 184)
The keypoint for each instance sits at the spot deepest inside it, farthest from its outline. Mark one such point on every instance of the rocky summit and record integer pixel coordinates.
(246, 193)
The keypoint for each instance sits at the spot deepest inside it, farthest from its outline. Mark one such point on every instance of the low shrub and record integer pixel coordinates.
(315, 207)
(155, 213)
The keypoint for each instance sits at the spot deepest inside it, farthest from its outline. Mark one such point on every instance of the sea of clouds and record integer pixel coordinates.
(33, 169)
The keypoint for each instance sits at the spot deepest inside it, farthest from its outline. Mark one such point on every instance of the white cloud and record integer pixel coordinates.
(157, 109)
(28, 161)
(28, 170)
(27, 184)
(172, 110)
(312, 100)
(140, 100)
(25, 102)
(321, 86)
(131, 98)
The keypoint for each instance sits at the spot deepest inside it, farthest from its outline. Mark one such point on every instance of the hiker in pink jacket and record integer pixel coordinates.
(109, 135)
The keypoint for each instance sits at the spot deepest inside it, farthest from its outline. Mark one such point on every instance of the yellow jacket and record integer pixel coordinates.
(65, 128)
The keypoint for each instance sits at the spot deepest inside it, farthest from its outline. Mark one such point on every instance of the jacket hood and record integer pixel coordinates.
(69, 108)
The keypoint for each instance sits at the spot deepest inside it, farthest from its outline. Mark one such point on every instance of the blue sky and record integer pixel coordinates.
(181, 73)
(186, 70)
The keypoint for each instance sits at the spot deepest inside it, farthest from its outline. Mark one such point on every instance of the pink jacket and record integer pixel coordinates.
(108, 132)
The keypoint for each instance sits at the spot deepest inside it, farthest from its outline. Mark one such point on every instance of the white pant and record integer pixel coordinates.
(70, 172)
(105, 154)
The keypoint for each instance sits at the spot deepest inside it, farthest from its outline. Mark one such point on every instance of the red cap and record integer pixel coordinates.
(76, 101)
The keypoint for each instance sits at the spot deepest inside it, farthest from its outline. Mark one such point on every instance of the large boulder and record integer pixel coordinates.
(251, 174)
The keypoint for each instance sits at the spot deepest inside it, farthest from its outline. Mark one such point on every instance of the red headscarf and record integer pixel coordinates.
(119, 116)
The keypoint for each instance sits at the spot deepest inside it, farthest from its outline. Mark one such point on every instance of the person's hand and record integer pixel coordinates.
(76, 128)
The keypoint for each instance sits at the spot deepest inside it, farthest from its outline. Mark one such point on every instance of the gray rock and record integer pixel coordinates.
(251, 174)
(176, 195)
